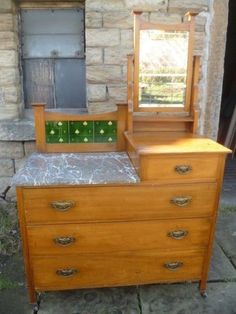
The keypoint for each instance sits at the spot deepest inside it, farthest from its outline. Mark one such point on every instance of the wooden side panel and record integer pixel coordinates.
(40, 135)
(121, 126)
(130, 91)
(24, 238)
(134, 157)
(154, 126)
(81, 148)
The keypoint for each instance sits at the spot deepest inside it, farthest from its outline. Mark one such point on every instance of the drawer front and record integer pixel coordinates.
(122, 236)
(84, 271)
(119, 203)
(179, 168)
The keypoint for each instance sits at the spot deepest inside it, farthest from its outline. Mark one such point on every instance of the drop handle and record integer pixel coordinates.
(181, 201)
(183, 169)
(67, 272)
(62, 206)
(64, 241)
(177, 234)
(173, 265)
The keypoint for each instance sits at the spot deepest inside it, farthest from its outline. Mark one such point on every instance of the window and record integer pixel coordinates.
(53, 58)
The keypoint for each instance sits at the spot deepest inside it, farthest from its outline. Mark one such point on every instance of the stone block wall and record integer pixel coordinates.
(10, 89)
(16, 143)
(12, 156)
(109, 38)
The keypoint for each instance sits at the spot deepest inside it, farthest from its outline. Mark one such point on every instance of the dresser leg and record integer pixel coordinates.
(35, 309)
(32, 296)
(37, 303)
(202, 288)
(203, 294)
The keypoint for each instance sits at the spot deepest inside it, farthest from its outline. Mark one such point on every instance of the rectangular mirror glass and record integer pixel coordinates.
(163, 61)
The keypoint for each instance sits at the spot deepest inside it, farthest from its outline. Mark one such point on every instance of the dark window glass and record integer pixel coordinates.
(53, 58)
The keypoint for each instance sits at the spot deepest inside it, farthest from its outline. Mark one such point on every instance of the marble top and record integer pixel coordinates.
(76, 168)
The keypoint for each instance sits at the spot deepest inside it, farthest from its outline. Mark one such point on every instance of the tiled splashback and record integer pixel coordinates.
(81, 132)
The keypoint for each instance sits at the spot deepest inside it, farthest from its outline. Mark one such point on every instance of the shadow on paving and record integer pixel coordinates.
(172, 299)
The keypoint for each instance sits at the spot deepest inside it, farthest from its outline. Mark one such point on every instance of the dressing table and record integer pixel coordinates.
(128, 197)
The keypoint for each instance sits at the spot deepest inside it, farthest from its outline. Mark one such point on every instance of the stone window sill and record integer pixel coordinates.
(17, 131)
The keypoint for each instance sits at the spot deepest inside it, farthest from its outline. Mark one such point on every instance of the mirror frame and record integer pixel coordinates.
(139, 25)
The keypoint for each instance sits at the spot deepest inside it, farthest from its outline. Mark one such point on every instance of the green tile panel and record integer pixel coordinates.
(57, 132)
(62, 132)
(81, 131)
(105, 131)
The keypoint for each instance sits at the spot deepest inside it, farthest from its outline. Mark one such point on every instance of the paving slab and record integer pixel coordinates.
(12, 268)
(233, 260)
(92, 301)
(89, 301)
(226, 233)
(228, 195)
(14, 301)
(221, 268)
(185, 299)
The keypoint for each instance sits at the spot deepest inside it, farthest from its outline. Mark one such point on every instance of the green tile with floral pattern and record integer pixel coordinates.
(57, 132)
(105, 131)
(81, 131)
(62, 132)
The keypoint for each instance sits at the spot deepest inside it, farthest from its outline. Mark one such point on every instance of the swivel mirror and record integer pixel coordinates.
(163, 65)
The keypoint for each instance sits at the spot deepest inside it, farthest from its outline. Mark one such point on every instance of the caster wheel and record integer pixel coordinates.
(204, 294)
(35, 309)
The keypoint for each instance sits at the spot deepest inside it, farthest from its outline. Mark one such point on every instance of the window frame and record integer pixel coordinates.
(44, 5)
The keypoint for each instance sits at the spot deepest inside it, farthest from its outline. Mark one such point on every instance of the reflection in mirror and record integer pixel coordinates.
(163, 68)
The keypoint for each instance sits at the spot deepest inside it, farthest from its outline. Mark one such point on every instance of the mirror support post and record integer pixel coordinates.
(137, 15)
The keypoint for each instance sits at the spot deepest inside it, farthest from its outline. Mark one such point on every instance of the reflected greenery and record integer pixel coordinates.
(163, 68)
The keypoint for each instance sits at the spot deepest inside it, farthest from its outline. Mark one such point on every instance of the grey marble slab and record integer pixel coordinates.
(76, 168)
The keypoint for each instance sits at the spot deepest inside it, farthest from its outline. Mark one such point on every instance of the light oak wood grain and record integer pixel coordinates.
(119, 203)
(114, 237)
(116, 269)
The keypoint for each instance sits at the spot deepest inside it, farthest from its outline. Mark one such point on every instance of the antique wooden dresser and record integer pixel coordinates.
(128, 197)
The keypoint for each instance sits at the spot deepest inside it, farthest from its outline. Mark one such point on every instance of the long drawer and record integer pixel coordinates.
(122, 236)
(83, 271)
(131, 202)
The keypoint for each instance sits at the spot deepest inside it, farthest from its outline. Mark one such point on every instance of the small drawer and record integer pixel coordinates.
(122, 236)
(179, 167)
(119, 203)
(117, 269)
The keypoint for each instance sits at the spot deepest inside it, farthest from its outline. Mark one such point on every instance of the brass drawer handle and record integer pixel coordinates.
(183, 169)
(66, 272)
(62, 206)
(64, 241)
(181, 201)
(177, 234)
(173, 265)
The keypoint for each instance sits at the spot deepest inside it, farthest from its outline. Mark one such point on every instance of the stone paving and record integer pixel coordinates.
(181, 298)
